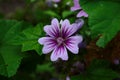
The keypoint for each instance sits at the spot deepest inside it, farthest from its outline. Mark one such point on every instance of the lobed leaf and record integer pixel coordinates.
(104, 19)
(29, 39)
(10, 55)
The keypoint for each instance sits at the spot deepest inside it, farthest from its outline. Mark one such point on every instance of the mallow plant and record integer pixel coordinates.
(61, 40)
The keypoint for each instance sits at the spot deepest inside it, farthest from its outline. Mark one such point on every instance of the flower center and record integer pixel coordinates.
(60, 40)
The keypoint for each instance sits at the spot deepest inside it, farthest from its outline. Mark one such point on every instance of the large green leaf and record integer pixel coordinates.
(29, 39)
(5, 26)
(10, 56)
(10, 59)
(104, 19)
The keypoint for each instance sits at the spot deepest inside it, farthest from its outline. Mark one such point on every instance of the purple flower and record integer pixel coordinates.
(82, 13)
(60, 38)
(77, 7)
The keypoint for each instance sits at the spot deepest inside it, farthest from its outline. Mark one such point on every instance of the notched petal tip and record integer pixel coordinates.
(64, 55)
(53, 57)
(66, 21)
(75, 51)
(79, 38)
(59, 52)
(64, 58)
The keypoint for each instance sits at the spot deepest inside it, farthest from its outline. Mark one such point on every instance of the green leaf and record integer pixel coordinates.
(29, 39)
(10, 56)
(66, 13)
(51, 13)
(103, 20)
(45, 67)
(10, 59)
(14, 31)
(5, 25)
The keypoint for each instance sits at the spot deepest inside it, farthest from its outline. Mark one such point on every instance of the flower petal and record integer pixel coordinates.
(72, 43)
(67, 29)
(59, 52)
(53, 30)
(82, 13)
(55, 22)
(76, 5)
(48, 48)
(49, 44)
(79, 23)
(45, 40)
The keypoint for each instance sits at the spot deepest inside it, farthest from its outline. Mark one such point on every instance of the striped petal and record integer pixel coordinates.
(67, 29)
(59, 52)
(49, 44)
(53, 30)
(72, 43)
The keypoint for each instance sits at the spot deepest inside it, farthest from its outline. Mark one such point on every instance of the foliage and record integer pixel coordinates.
(102, 21)
(29, 39)
(10, 55)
